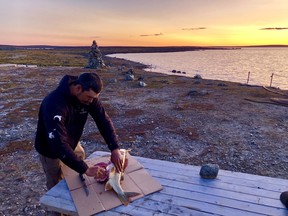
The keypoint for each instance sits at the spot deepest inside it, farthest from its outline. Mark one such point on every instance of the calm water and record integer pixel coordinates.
(229, 65)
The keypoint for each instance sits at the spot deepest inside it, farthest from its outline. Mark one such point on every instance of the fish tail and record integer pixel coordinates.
(131, 194)
(124, 199)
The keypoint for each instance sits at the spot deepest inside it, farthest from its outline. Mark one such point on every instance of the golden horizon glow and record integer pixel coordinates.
(142, 23)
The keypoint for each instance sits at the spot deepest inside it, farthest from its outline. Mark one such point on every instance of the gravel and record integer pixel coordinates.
(173, 118)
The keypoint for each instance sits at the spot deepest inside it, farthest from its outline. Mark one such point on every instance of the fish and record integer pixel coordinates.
(114, 182)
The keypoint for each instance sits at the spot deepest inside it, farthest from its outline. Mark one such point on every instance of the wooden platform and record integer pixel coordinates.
(186, 193)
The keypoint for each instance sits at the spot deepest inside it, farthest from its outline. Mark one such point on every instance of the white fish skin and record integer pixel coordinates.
(115, 184)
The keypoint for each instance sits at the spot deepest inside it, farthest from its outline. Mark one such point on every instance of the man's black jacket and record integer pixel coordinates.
(61, 123)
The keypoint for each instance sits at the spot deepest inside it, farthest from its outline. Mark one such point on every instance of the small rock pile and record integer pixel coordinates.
(95, 57)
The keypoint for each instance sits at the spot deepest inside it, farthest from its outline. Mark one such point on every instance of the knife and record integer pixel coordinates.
(84, 184)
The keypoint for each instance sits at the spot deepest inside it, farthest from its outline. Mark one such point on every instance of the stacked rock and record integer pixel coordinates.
(95, 57)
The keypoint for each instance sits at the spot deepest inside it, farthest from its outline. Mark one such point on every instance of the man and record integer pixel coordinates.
(62, 116)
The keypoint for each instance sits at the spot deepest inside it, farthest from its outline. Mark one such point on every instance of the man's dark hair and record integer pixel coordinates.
(90, 81)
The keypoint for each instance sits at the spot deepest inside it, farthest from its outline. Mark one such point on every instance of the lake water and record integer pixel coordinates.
(229, 65)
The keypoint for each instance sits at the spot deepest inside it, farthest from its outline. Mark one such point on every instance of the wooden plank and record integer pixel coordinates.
(218, 192)
(110, 213)
(137, 210)
(216, 184)
(186, 193)
(59, 199)
(258, 190)
(184, 168)
(230, 195)
(238, 193)
(225, 202)
(165, 206)
(144, 206)
(269, 183)
(201, 206)
(148, 206)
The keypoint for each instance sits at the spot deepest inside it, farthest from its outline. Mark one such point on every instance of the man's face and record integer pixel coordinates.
(87, 97)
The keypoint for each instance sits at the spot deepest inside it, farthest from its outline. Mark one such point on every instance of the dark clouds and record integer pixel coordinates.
(275, 28)
(193, 29)
(150, 35)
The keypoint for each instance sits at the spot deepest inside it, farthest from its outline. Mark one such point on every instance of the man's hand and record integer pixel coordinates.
(96, 171)
(116, 160)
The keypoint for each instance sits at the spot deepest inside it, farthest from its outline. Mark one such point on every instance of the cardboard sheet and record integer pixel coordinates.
(136, 179)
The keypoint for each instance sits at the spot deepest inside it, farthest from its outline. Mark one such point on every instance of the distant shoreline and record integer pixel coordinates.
(53, 56)
(136, 49)
(247, 65)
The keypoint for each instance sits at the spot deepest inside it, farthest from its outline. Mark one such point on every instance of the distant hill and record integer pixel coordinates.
(112, 49)
(284, 46)
(130, 49)
(12, 47)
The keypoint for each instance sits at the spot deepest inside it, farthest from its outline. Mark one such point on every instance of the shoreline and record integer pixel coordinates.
(77, 57)
(228, 69)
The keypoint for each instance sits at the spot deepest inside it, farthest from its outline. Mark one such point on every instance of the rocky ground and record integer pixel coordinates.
(175, 118)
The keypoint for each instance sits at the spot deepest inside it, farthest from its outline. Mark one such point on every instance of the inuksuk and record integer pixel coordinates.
(95, 57)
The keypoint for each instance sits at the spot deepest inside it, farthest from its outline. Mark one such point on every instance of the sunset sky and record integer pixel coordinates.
(144, 22)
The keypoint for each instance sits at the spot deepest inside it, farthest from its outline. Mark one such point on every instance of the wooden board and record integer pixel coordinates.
(280, 100)
(275, 101)
(275, 91)
(136, 179)
(186, 193)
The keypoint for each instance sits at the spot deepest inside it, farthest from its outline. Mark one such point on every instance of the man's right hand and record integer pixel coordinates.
(96, 171)
(116, 160)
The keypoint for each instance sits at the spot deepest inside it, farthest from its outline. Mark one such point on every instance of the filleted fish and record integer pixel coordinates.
(114, 180)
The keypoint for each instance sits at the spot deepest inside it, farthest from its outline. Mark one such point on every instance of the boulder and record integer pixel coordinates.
(197, 76)
(129, 77)
(142, 84)
(209, 171)
(284, 198)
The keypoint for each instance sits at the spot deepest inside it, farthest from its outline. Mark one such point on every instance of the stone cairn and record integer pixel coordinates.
(95, 57)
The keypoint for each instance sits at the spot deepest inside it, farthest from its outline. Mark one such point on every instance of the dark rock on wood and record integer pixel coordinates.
(209, 171)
